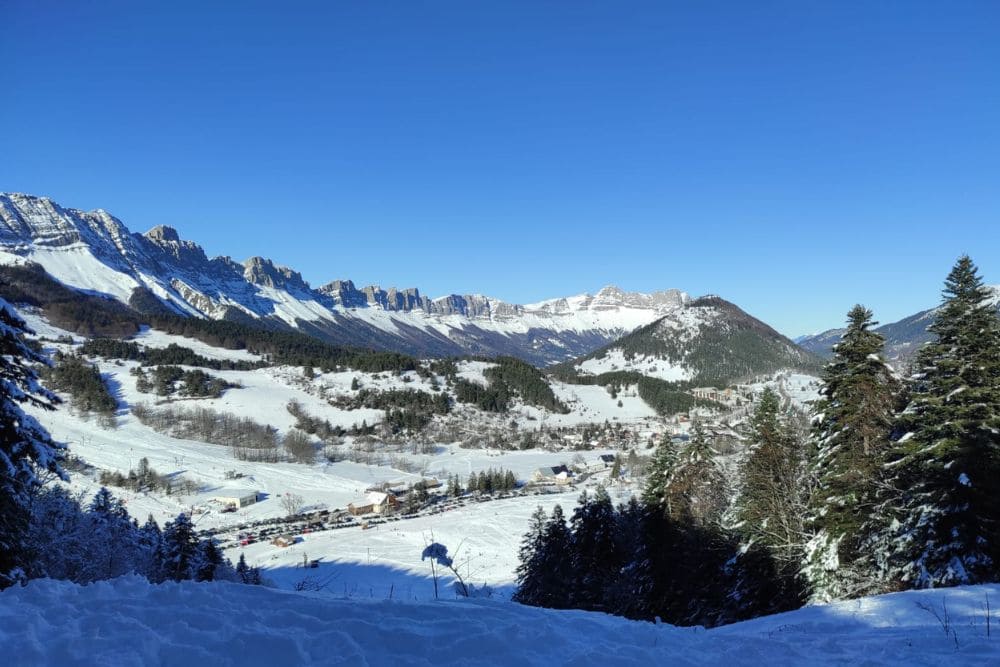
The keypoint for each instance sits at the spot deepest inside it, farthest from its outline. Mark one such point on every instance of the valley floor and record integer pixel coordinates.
(130, 622)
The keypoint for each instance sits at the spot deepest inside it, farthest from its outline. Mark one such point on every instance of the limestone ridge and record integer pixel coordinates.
(96, 252)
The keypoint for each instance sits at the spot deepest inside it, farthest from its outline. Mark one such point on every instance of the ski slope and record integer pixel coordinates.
(129, 622)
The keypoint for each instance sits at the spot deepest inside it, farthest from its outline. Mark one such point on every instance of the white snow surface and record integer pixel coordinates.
(615, 360)
(130, 622)
(154, 338)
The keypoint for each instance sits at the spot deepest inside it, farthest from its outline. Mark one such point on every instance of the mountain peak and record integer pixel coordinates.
(163, 233)
(262, 271)
(611, 291)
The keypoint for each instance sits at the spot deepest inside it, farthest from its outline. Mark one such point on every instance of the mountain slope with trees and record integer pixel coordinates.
(709, 341)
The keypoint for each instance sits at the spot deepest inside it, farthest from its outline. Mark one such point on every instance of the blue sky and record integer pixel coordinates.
(793, 157)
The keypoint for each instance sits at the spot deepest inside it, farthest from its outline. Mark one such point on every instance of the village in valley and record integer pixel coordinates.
(364, 480)
(614, 455)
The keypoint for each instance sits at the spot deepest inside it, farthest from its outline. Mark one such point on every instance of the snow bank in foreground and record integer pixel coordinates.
(130, 622)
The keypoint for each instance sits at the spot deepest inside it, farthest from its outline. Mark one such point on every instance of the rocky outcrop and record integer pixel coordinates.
(261, 271)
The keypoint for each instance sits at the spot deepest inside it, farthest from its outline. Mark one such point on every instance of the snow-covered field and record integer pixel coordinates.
(153, 338)
(128, 622)
(614, 360)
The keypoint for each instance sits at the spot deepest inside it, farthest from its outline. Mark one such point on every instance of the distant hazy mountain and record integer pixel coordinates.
(902, 338)
(95, 252)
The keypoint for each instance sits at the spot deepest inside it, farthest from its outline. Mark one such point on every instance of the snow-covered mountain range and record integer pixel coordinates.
(96, 252)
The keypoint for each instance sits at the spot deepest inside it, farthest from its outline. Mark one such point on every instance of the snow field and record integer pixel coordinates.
(154, 338)
(614, 360)
(128, 622)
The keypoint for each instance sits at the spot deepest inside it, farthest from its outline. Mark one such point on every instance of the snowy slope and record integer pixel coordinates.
(130, 622)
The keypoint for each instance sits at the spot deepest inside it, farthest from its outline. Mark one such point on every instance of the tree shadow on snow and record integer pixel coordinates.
(377, 581)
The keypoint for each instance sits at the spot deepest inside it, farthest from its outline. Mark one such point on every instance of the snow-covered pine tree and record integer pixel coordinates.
(208, 561)
(530, 555)
(179, 550)
(850, 440)
(943, 503)
(770, 506)
(661, 471)
(114, 543)
(696, 492)
(148, 540)
(25, 447)
(58, 536)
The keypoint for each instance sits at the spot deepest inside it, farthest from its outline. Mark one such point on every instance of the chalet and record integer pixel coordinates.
(552, 475)
(602, 462)
(383, 503)
(376, 502)
(283, 541)
(236, 497)
(361, 509)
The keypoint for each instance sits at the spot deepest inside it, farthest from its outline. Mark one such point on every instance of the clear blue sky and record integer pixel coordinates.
(794, 157)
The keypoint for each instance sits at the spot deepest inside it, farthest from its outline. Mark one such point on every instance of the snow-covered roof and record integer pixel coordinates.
(234, 493)
(377, 497)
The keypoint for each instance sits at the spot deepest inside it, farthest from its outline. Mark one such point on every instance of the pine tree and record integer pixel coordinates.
(114, 538)
(25, 447)
(630, 592)
(770, 507)
(106, 504)
(661, 472)
(531, 555)
(178, 550)
(943, 509)
(509, 481)
(593, 555)
(247, 574)
(243, 570)
(208, 561)
(696, 492)
(58, 536)
(849, 443)
(553, 564)
(149, 539)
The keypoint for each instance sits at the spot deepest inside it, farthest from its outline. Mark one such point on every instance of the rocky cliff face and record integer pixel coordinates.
(95, 251)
